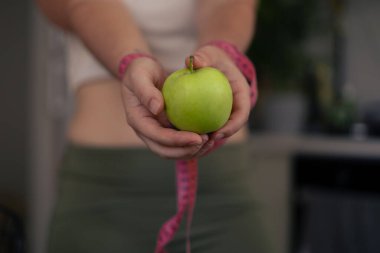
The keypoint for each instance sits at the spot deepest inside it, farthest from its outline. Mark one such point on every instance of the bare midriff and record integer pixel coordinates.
(99, 118)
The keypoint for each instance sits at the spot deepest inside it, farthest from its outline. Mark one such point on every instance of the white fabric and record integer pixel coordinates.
(168, 26)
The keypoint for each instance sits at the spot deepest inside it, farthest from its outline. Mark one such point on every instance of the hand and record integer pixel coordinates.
(144, 104)
(215, 57)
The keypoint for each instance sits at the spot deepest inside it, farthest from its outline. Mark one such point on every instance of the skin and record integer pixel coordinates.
(99, 103)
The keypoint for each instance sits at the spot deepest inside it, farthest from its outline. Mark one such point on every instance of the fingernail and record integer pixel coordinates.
(154, 106)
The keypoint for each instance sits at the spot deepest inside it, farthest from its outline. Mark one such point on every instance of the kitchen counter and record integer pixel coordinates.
(271, 179)
(280, 143)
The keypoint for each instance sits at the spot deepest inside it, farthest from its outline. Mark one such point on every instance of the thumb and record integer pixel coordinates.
(155, 105)
(151, 97)
(144, 87)
(201, 59)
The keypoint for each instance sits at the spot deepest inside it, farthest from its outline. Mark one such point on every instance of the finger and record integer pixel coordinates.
(143, 84)
(210, 56)
(236, 121)
(186, 152)
(203, 57)
(205, 148)
(163, 120)
(239, 116)
(148, 126)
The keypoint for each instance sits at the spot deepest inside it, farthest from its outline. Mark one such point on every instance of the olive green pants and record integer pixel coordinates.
(115, 201)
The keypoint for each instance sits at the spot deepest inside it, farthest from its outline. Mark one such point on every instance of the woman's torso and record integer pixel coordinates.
(98, 119)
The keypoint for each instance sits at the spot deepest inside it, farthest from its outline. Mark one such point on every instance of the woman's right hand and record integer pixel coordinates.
(144, 109)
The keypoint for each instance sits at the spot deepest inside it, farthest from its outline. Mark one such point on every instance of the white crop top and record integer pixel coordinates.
(168, 26)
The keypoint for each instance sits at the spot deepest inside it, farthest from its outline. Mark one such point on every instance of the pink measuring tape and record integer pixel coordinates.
(187, 178)
(187, 170)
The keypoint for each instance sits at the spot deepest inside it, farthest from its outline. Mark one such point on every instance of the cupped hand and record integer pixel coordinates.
(211, 56)
(144, 109)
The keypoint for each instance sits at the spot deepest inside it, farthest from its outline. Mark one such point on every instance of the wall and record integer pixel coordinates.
(13, 103)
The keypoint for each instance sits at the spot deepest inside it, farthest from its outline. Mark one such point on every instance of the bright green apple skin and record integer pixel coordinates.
(198, 101)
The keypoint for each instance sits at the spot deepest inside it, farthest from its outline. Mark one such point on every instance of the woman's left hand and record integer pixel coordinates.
(211, 56)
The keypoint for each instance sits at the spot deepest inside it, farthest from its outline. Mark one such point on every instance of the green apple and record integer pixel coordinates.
(197, 100)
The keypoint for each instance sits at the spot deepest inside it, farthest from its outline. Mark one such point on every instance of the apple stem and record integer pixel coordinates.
(191, 63)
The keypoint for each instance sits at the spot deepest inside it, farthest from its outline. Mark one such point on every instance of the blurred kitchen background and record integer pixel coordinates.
(315, 140)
